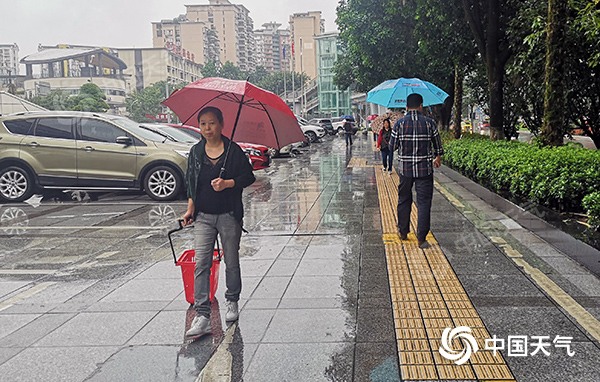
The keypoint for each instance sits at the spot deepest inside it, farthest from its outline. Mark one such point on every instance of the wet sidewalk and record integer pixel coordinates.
(329, 291)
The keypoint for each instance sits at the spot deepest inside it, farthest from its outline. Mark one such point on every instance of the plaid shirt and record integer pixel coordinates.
(414, 135)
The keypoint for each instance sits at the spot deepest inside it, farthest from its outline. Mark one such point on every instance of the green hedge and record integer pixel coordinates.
(558, 178)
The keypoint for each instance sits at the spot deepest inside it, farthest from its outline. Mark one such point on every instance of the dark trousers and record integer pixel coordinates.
(424, 189)
(348, 138)
(387, 157)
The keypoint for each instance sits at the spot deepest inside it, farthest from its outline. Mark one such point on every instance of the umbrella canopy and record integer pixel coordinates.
(377, 123)
(372, 117)
(252, 114)
(393, 93)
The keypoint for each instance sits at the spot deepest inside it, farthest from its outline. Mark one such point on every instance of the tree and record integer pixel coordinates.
(447, 49)
(210, 69)
(553, 128)
(55, 100)
(378, 40)
(488, 21)
(147, 101)
(90, 98)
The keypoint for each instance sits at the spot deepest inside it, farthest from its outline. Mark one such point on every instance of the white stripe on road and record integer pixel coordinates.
(26, 294)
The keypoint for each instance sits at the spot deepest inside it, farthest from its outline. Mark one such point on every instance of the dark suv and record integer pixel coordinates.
(86, 151)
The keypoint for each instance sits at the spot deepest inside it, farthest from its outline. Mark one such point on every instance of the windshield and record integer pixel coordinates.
(134, 128)
(175, 133)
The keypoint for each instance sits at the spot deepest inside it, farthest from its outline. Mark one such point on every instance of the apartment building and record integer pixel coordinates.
(273, 47)
(146, 66)
(9, 62)
(304, 27)
(220, 27)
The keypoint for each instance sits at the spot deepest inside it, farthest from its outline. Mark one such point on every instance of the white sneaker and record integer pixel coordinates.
(232, 311)
(200, 326)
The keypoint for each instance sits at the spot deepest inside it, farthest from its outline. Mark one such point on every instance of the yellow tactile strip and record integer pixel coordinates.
(427, 297)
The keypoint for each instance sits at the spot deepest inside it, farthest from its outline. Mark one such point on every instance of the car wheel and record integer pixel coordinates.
(163, 183)
(16, 184)
(312, 136)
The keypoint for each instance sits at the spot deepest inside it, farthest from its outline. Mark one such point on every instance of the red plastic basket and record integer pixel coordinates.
(188, 265)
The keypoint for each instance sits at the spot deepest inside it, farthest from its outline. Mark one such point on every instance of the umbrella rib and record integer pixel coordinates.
(201, 107)
(272, 124)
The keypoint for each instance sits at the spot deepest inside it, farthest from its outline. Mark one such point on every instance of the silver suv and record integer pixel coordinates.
(86, 151)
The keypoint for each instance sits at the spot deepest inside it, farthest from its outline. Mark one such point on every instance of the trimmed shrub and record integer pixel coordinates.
(556, 177)
(591, 203)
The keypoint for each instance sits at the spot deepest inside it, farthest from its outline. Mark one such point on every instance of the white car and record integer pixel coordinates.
(312, 132)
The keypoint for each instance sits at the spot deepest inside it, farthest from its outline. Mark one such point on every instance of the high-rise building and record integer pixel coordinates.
(332, 100)
(181, 37)
(272, 47)
(219, 31)
(304, 27)
(146, 66)
(9, 62)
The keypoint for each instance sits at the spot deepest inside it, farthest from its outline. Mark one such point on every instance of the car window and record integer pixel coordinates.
(99, 131)
(20, 126)
(55, 127)
(193, 133)
(135, 128)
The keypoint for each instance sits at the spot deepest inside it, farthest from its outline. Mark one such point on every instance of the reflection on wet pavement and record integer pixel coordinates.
(107, 272)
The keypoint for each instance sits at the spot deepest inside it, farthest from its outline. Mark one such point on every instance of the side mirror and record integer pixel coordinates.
(127, 141)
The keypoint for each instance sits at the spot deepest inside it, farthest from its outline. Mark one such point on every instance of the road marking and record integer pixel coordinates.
(106, 255)
(103, 214)
(218, 368)
(562, 298)
(578, 312)
(448, 195)
(145, 236)
(25, 294)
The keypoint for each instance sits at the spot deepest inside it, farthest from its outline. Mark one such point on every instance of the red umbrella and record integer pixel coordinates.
(372, 117)
(252, 114)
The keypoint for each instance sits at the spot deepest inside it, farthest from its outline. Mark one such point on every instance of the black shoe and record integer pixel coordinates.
(423, 244)
(403, 236)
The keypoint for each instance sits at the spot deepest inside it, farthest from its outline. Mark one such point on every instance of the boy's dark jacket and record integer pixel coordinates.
(237, 168)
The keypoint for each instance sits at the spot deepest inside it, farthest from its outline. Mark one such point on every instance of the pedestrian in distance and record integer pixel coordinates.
(215, 180)
(348, 131)
(383, 144)
(420, 150)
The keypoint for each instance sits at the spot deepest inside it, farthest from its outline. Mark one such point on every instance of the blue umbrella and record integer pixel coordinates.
(393, 93)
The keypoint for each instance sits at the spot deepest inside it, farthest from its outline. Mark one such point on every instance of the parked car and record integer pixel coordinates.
(259, 155)
(67, 150)
(324, 123)
(312, 132)
(338, 125)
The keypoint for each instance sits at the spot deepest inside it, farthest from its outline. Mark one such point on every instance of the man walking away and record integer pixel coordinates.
(348, 131)
(420, 149)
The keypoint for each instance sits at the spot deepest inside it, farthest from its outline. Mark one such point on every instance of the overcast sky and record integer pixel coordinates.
(122, 23)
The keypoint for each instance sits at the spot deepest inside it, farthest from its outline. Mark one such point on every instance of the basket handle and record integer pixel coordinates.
(180, 222)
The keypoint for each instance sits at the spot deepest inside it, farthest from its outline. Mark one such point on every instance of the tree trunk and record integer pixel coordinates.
(496, 89)
(458, 98)
(554, 126)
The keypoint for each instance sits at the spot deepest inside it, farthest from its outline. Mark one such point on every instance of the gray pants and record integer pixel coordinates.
(207, 226)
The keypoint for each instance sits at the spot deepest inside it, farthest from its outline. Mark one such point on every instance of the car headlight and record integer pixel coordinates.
(183, 153)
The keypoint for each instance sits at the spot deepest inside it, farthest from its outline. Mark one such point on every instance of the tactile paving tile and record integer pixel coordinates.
(427, 298)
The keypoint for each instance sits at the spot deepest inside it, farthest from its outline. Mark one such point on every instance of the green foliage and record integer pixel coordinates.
(557, 177)
(147, 101)
(90, 98)
(591, 203)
